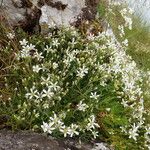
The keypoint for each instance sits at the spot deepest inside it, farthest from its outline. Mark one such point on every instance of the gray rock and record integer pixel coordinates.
(25, 140)
(33, 14)
(62, 13)
(11, 10)
(20, 13)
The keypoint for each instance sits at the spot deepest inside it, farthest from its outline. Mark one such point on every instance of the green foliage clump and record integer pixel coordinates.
(69, 84)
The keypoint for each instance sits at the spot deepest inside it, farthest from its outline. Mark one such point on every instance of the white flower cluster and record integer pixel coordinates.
(125, 12)
(131, 78)
(56, 123)
(11, 35)
(70, 74)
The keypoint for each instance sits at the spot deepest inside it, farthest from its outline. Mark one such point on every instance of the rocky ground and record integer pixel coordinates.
(25, 140)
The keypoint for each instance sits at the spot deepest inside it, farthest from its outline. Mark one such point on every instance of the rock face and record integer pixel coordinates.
(34, 141)
(20, 13)
(31, 14)
(61, 12)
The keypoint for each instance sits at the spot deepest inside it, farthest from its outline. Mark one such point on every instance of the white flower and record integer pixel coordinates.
(39, 97)
(33, 93)
(59, 124)
(55, 119)
(73, 42)
(72, 130)
(36, 68)
(44, 126)
(95, 134)
(121, 28)
(54, 86)
(91, 123)
(131, 11)
(55, 65)
(125, 42)
(147, 130)
(111, 44)
(24, 53)
(108, 109)
(37, 115)
(62, 115)
(128, 22)
(38, 56)
(94, 95)
(67, 61)
(11, 35)
(103, 47)
(45, 81)
(82, 72)
(124, 103)
(29, 47)
(49, 49)
(45, 105)
(47, 93)
(47, 127)
(133, 132)
(123, 11)
(123, 129)
(71, 56)
(23, 42)
(55, 42)
(82, 106)
(64, 130)
(91, 37)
